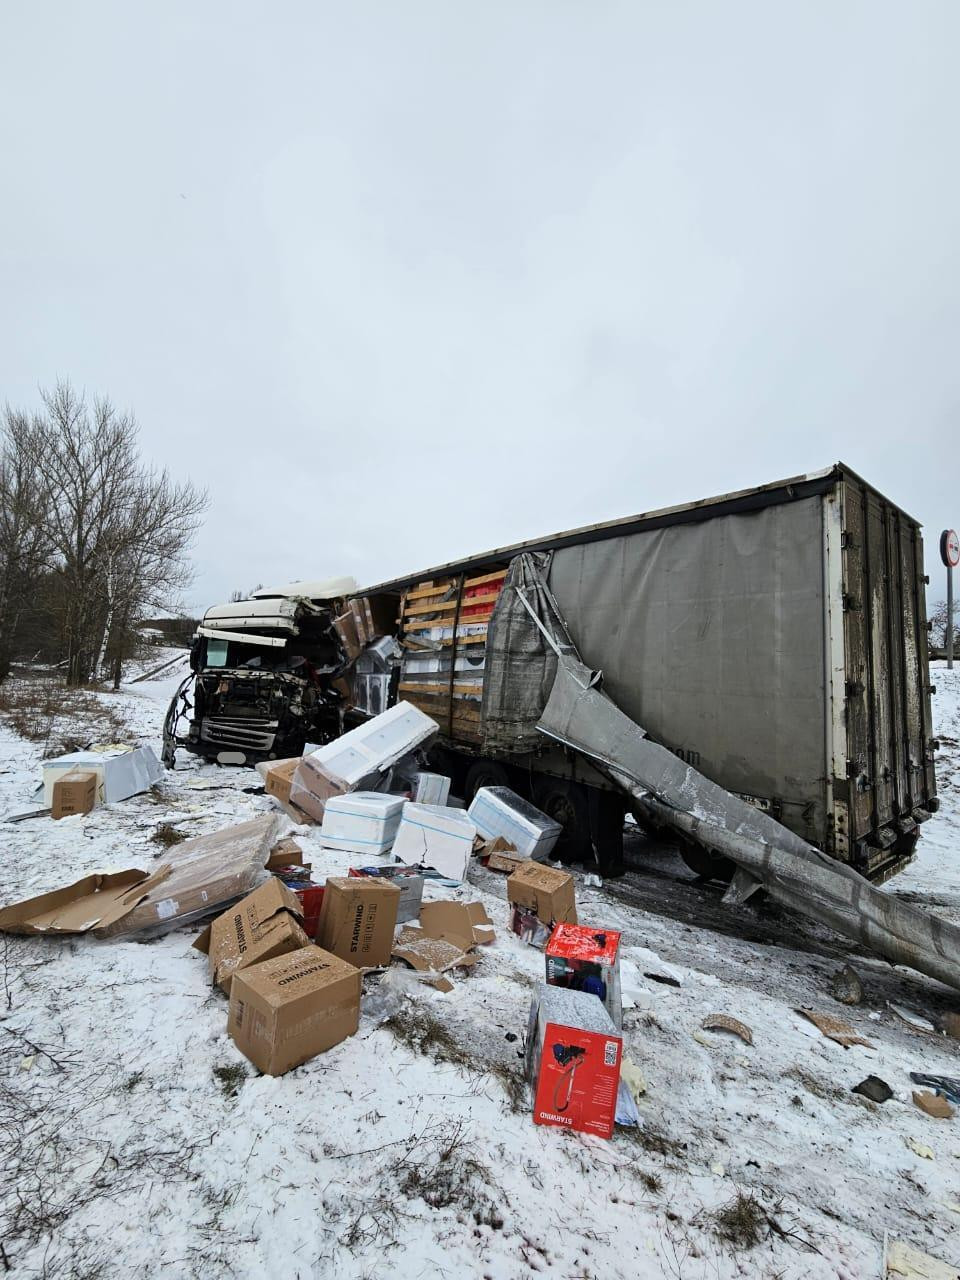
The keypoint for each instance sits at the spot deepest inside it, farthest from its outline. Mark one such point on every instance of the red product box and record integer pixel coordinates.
(581, 957)
(573, 1061)
(311, 898)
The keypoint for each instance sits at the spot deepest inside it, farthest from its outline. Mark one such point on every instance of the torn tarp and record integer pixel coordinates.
(581, 716)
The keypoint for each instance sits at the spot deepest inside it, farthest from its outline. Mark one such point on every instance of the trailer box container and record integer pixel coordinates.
(775, 638)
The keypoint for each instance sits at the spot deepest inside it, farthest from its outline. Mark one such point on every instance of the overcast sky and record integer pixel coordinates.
(403, 281)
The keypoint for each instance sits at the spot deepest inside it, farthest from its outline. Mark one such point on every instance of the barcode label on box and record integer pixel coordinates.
(610, 1053)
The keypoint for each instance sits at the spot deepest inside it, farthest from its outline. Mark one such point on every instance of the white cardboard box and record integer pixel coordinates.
(430, 788)
(434, 836)
(366, 752)
(361, 821)
(120, 774)
(498, 811)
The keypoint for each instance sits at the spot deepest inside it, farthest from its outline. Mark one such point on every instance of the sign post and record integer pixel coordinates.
(950, 555)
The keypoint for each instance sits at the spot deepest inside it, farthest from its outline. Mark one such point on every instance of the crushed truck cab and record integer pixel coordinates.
(264, 675)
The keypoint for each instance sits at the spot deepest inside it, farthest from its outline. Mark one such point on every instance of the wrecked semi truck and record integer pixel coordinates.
(775, 639)
(263, 679)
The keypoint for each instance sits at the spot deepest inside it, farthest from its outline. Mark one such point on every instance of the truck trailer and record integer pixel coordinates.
(774, 638)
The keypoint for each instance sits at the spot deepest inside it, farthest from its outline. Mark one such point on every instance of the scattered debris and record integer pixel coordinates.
(92, 903)
(934, 1104)
(723, 1022)
(834, 1029)
(915, 1021)
(874, 1088)
(949, 1086)
(919, 1148)
(167, 835)
(285, 853)
(903, 1261)
(846, 987)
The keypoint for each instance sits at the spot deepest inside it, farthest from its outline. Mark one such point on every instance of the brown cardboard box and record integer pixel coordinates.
(265, 923)
(310, 789)
(346, 628)
(358, 918)
(74, 792)
(285, 853)
(278, 782)
(278, 778)
(543, 892)
(292, 1007)
(93, 902)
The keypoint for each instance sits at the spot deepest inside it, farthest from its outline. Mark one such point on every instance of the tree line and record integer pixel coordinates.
(92, 538)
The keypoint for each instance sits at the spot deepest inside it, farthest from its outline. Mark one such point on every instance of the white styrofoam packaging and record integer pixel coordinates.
(361, 821)
(498, 811)
(120, 774)
(366, 752)
(430, 788)
(432, 835)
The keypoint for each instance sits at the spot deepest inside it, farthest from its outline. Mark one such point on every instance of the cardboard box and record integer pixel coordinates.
(573, 1061)
(466, 923)
(498, 811)
(288, 1009)
(346, 628)
(91, 903)
(264, 924)
(581, 957)
(310, 788)
(199, 878)
(285, 853)
(361, 821)
(358, 918)
(311, 904)
(121, 771)
(430, 788)
(407, 879)
(358, 759)
(435, 836)
(540, 897)
(74, 792)
(204, 875)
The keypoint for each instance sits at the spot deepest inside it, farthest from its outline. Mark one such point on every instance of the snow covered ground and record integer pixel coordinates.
(136, 1141)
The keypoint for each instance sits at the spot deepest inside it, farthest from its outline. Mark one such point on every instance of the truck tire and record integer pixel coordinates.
(592, 819)
(705, 864)
(566, 802)
(485, 773)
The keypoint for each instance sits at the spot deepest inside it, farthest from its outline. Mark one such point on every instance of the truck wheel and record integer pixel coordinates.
(705, 864)
(485, 773)
(566, 803)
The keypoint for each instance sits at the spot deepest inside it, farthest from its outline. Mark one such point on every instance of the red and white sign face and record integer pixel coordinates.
(950, 548)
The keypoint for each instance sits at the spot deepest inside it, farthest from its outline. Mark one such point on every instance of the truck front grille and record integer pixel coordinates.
(245, 735)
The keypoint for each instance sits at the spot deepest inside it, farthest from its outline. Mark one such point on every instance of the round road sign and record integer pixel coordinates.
(950, 548)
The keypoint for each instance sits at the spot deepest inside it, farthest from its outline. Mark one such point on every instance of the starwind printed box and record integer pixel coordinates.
(573, 1061)
(580, 957)
(358, 917)
(288, 1009)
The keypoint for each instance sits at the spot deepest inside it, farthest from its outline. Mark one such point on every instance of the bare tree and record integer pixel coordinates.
(24, 524)
(938, 624)
(114, 533)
